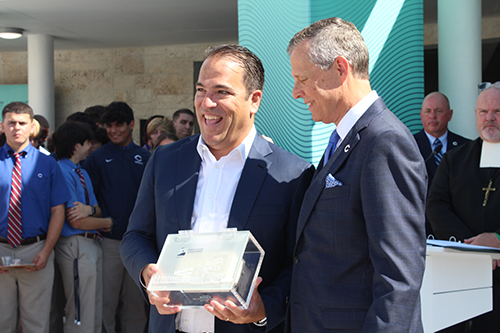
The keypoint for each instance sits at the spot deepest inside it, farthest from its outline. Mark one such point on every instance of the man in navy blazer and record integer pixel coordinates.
(360, 250)
(435, 115)
(229, 172)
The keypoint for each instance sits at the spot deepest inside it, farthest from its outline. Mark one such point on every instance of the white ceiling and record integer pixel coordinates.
(86, 24)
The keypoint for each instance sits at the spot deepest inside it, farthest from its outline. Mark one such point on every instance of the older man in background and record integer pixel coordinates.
(464, 199)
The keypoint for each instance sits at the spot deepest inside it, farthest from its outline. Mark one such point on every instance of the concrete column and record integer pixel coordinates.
(41, 76)
(459, 60)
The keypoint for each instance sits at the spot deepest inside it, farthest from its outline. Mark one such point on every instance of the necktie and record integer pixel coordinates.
(332, 145)
(14, 227)
(439, 155)
(82, 180)
(87, 201)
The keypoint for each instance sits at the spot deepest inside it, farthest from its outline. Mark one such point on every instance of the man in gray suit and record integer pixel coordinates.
(360, 249)
(227, 177)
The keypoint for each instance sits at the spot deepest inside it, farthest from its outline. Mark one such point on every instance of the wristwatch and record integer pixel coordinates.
(93, 210)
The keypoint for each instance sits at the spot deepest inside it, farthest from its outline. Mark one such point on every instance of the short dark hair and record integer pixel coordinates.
(68, 135)
(118, 112)
(44, 123)
(82, 118)
(101, 135)
(44, 129)
(178, 113)
(253, 71)
(95, 112)
(19, 108)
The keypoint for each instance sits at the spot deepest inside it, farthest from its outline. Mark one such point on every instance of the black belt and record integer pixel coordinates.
(90, 235)
(27, 241)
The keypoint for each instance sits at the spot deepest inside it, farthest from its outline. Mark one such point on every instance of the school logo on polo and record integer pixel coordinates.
(138, 159)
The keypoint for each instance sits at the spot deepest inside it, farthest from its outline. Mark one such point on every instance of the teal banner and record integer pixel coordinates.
(393, 32)
(13, 93)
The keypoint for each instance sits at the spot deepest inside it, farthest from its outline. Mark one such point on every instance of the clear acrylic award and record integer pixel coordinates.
(198, 267)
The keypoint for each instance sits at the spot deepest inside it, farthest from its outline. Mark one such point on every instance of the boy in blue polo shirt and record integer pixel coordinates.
(78, 252)
(33, 193)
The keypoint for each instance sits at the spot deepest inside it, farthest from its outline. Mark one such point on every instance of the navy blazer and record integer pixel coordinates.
(360, 252)
(454, 140)
(266, 202)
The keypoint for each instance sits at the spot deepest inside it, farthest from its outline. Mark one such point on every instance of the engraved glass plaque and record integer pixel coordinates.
(198, 267)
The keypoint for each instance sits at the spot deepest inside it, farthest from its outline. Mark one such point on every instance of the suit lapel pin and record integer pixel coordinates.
(454, 143)
(346, 148)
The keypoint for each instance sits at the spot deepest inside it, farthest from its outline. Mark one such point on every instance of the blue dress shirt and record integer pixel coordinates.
(77, 193)
(42, 187)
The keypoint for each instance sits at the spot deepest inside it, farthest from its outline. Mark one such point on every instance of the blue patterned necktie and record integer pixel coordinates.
(332, 144)
(439, 154)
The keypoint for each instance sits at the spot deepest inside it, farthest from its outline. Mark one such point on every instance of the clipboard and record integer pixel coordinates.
(462, 246)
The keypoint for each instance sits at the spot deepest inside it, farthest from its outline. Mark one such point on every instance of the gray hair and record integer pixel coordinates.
(333, 37)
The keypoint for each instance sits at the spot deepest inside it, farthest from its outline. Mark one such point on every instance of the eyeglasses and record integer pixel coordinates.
(485, 85)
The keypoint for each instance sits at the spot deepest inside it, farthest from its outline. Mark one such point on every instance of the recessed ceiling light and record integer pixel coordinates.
(11, 33)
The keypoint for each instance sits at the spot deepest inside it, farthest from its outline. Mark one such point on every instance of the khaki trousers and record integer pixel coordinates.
(89, 255)
(122, 297)
(26, 295)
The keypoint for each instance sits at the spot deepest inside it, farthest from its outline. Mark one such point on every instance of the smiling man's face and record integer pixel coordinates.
(120, 134)
(224, 110)
(320, 89)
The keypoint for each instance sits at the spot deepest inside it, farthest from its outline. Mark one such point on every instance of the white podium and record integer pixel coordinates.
(457, 285)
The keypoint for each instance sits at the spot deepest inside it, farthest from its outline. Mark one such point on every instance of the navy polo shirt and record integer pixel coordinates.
(116, 174)
(77, 193)
(42, 187)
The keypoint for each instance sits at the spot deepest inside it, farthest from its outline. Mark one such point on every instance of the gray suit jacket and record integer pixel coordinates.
(360, 251)
(266, 202)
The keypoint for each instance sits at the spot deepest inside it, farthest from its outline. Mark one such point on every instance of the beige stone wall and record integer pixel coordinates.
(152, 80)
(13, 68)
(490, 28)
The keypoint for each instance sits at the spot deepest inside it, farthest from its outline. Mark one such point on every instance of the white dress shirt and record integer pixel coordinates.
(443, 138)
(353, 115)
(217, 183)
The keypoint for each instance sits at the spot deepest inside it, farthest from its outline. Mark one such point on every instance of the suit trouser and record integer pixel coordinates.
(119, 288)
(58, 302)
(89, 257)
(24, 293)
